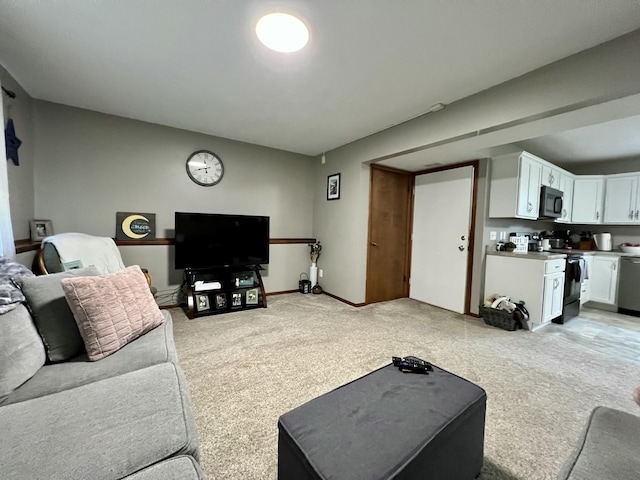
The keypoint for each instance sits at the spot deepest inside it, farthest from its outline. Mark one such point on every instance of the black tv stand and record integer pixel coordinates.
(213, 291)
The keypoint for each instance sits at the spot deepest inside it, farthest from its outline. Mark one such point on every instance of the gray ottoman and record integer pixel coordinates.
(387, 424)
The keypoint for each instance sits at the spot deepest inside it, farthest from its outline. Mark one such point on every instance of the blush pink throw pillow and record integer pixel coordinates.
(111, 310)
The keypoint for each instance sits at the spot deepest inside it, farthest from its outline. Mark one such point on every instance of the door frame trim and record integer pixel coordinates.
(475, 164)
(472, 226)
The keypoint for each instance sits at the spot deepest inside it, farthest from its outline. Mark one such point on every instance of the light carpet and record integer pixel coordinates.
(245, 369)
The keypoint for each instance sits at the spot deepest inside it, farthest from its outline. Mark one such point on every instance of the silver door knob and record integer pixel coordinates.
(374, 244)
(461, 247)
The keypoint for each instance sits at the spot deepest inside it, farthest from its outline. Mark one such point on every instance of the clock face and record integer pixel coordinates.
(205, 168)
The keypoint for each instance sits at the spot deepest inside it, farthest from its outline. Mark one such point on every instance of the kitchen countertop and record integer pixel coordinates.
(530, 255)
(555, 253)
(617, 253)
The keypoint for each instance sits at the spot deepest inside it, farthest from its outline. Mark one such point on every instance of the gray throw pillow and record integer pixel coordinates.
(52, 314)
(21, 350)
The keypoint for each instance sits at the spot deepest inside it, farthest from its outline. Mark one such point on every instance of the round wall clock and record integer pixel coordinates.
(205, 168)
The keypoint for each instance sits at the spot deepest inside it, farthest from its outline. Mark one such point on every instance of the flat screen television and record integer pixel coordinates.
(210, 240)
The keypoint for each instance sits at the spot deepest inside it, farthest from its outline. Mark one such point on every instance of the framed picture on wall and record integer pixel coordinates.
(333, 187)
(40, 229)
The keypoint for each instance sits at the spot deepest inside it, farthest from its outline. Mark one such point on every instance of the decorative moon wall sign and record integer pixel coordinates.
(135, 226)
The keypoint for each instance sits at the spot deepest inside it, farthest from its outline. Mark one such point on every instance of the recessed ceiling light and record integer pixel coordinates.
(282, 32)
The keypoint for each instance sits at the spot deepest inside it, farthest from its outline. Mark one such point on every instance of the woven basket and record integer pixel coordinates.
(499, 318)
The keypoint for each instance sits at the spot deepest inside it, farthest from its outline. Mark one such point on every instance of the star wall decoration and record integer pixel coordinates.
(12, 142)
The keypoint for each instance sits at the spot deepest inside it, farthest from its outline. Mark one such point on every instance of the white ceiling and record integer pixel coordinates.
(618, 139)
(197, 65)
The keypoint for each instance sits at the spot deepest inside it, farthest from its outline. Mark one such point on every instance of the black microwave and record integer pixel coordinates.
(550, 203)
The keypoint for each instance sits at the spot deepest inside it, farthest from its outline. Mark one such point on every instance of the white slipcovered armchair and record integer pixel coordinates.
(70, 250)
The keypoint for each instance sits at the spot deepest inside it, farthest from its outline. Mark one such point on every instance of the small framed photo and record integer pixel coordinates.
(236, 299)
(202, 302)
(252, 296)
(40, 229)
(221, 301)
(333, 187)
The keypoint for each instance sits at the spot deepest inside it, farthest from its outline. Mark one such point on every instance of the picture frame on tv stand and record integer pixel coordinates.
(252, 296)
(221, 301)
(236, 300)
(202, 302)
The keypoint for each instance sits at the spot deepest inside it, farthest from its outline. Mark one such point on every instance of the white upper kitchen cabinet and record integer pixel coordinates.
(621, 202)
(603, 279)
(566, 187)
(515, 186)
(551, 176)
(588, 199)
(528, 188)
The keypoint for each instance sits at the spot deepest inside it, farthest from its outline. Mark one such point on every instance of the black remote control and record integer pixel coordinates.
(412, 364)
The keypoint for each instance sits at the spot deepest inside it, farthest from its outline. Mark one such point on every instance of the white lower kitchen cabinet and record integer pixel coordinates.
(603, 279)
(553, 293)
(535, 278)
(585, 287)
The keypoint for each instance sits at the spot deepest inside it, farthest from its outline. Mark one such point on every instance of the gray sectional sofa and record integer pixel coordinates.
(127, 415)
(607, 448)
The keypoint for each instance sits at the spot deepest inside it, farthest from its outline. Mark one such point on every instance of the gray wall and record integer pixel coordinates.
(91, 165)
(21, 180)
(342, 225)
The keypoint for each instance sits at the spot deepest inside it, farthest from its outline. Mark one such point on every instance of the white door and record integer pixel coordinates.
(441, 226)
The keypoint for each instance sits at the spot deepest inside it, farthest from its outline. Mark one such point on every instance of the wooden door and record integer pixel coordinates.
(389, 231)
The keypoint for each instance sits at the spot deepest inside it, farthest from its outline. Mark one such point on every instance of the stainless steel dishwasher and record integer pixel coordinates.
(628, 288)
